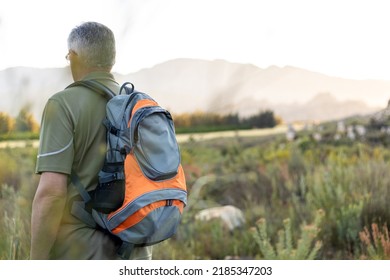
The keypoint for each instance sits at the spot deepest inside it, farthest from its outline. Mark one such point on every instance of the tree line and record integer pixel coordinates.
(186, 122)
(208, 121)
(23, 122)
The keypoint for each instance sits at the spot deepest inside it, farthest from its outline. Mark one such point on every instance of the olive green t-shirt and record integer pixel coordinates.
(72, 135)
(72, 139)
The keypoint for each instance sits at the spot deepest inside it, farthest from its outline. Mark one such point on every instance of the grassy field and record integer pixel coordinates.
(301, 199)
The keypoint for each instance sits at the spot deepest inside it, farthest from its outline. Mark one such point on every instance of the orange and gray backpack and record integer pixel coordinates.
(142, 189)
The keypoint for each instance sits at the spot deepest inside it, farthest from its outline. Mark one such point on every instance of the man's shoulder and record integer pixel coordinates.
(69, 92)
(61, 94)
(74, 91)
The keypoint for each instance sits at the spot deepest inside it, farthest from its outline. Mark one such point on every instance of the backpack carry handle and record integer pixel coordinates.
(127, 89)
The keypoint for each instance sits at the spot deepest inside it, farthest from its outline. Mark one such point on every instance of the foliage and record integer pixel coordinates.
(209, 121)
(376, 242)
(261, 120)
(25, 121)
(270, 179)
(23, 126)
(306, 247)
(6, 123)
(15, 230)
(17, 187)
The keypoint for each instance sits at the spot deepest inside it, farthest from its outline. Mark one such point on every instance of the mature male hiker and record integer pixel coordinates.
(72, 141)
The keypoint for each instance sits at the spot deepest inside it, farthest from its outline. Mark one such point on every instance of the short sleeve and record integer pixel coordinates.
(56, 149)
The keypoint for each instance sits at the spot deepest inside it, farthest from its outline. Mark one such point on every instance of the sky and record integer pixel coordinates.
(348, 39)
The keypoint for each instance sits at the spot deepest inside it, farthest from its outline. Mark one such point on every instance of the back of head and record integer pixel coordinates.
(94, 43)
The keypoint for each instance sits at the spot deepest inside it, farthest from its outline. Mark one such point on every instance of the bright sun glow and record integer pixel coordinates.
(338, 38)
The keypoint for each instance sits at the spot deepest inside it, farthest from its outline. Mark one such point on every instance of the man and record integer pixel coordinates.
(72, 139)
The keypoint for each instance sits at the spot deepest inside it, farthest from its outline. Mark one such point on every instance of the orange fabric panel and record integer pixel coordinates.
(140, 104)
(137, 184)
(143, 212)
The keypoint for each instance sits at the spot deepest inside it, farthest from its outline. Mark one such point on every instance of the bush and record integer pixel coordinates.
(286, 248)
(376, 243)
(282, 183)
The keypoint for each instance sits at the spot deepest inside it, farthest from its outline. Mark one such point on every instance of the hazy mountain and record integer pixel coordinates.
(187, 85)
(323, 107)
(22, 86)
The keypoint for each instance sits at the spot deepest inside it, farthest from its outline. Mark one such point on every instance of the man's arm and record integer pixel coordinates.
(47, 209)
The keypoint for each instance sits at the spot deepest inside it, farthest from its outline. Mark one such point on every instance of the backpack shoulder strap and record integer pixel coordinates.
(78, 208)
(95, 86)
(80, 188)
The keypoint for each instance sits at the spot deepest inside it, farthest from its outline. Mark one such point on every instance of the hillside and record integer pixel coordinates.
(187, 85)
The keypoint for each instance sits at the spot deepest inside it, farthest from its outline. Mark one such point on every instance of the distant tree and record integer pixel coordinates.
(25, 121)
(262, 120)
(6, 123)
(202, 118)
(232, 119)
(182, 120)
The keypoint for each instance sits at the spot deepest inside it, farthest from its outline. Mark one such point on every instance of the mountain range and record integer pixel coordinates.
(189, 85)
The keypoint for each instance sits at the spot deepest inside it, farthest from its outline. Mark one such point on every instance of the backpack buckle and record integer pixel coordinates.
(112, 129)
(169, 202)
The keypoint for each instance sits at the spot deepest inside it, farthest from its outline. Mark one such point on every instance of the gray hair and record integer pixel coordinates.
(94, 43)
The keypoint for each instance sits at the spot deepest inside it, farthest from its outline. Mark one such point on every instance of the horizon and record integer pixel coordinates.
(208, 60)
(290, 92)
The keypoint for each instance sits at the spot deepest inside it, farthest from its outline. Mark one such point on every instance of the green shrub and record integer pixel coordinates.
(285, 248)
(283, 183)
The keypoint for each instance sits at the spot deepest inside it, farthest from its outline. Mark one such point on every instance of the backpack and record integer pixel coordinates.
(142, 189)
